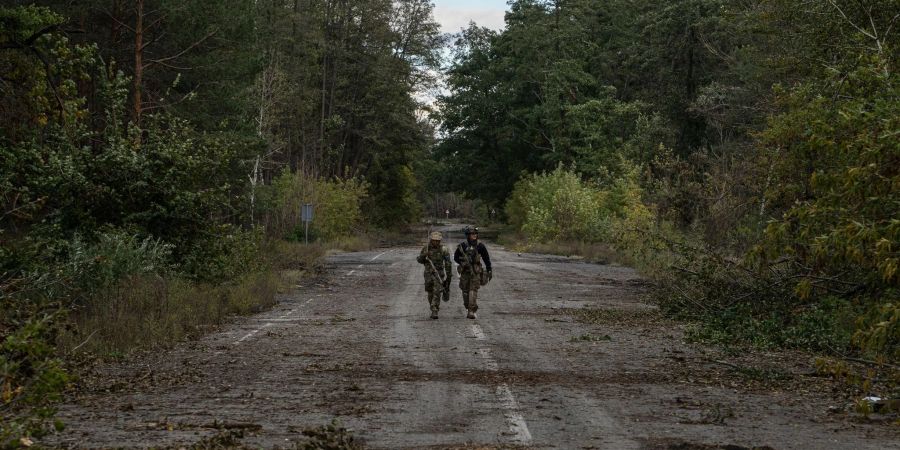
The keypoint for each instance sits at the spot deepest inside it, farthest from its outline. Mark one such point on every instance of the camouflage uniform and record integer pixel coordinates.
(440, 257)
(473, 260)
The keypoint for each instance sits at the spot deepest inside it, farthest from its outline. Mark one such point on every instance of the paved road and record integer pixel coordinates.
(358, 345)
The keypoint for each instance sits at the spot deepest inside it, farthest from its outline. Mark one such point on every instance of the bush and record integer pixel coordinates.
(557, 206)
(92, 267)
(841, 237)
(562, 209)
(337, 203)
(32, 376)
(115, 236)
(226, 254)
(825, 327)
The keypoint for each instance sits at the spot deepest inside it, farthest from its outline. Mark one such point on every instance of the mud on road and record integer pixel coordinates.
(564, 354)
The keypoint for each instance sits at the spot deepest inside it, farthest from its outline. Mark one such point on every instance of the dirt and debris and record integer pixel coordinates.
(564, 354)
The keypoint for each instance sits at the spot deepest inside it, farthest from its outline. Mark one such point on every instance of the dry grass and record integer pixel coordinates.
(593, 252)
(294, 256)
(354, 243)
(144, 312)
(151, 311)
(598, 252)
(396, 238)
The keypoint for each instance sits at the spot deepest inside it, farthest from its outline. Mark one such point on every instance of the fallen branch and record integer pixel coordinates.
(871, 363)
(85, 342)
(726, 364)
(30, 40)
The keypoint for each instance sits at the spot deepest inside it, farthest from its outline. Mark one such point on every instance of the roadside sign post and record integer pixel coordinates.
(306, 214)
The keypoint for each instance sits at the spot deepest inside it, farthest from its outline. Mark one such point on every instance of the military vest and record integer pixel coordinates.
(437, 256)
(470, 252)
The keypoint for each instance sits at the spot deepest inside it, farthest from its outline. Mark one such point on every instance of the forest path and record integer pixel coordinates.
(358, 345)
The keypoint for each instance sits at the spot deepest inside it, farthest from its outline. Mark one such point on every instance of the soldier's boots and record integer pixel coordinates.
(434, 314)
(471, 315)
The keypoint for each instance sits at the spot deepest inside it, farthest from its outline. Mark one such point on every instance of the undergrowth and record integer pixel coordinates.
(118, 293)
(333, 436)
(813, 280)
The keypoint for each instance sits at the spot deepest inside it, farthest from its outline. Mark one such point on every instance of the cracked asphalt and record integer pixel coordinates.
(358, 345)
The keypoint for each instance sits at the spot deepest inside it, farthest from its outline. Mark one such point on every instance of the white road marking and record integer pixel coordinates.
(283, 319)
(514, 418)
(361, 265)
(478, 332)
(270, 322)
(253, 333)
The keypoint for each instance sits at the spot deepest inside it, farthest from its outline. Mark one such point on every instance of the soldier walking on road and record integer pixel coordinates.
(438, 272)
(469, 256)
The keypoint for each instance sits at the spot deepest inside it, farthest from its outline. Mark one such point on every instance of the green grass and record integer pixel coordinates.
(826, 327)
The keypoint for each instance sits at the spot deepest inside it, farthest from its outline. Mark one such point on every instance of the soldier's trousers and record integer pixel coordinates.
(433, 290)
(469, 286)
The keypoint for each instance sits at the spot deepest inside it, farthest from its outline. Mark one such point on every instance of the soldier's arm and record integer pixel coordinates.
(485, 256)
(448, 266)
(421, 258)
(458, 255)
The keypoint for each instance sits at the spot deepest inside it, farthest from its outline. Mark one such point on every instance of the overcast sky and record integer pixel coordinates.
(456, 14)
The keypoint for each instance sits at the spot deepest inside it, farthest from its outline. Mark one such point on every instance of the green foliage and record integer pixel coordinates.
(768, 216)
(89, 201)
(333, 436)
(878, 331)
(114, 256)
(529, 99)
(32, 377)
(557, 205)
(393, 193)
(826, 327)
(337, 204)
(125, 209)
(40, 75)
(226, 253)
(560, 206)
(187, 179)
(40, 71)
(842, 235)
(588, 82)
(173, 185)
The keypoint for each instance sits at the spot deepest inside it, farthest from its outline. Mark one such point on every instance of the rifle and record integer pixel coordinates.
(445, 286)
(470, 264)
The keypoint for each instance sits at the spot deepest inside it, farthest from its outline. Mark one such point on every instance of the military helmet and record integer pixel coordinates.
(436, 236)
(469, 230)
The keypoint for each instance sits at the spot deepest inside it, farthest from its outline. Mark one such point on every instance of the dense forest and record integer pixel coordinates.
(154, 155)
(743, 154)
